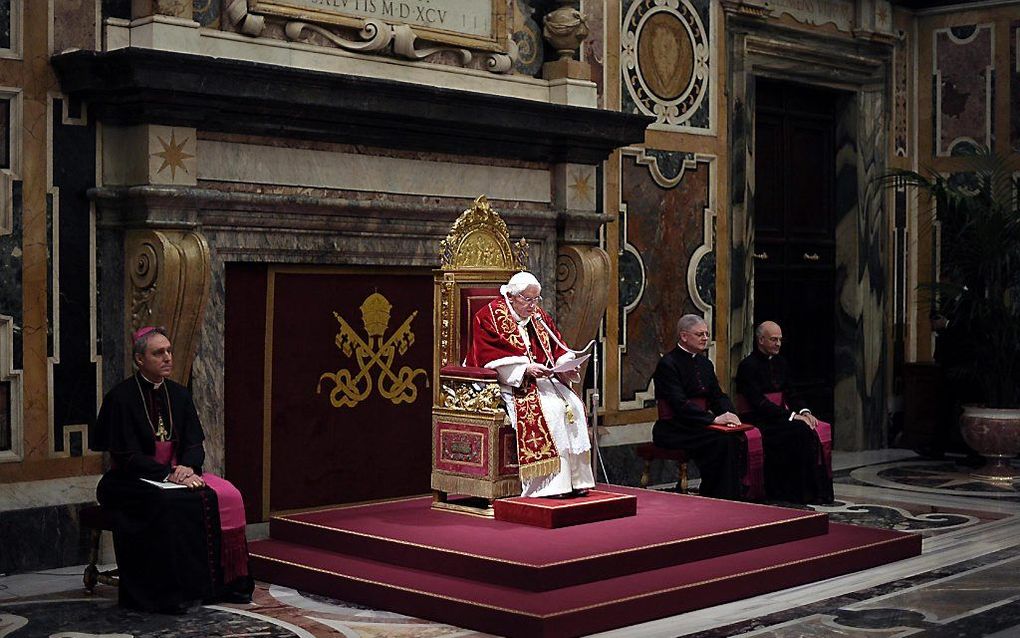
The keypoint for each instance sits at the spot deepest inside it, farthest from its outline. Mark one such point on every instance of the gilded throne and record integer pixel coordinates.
(474, 452)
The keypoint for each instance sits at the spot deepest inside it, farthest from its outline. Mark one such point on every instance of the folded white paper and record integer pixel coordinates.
(165, 485)
(571, 365)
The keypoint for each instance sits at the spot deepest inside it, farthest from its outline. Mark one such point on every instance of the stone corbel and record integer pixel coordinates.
(375, 36)
(244, 22)
(582, 284)
(403, 45)
(167, 284)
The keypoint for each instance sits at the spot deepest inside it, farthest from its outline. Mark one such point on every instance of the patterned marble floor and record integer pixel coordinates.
(966, 583)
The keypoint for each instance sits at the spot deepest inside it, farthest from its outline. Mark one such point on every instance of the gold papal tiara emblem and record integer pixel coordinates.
(374, 351)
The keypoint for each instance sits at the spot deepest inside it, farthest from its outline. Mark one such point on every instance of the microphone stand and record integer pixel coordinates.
(596, 458)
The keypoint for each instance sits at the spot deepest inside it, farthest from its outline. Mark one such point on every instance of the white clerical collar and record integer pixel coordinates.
(681, 346)
(517, 317)
(155, 384)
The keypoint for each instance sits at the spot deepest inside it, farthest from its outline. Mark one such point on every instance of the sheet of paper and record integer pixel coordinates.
(165, 485)
(570, 366)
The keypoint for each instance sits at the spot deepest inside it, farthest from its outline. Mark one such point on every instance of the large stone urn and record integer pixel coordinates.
(994, 433)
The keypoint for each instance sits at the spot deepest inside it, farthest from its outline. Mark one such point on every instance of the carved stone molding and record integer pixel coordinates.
(582, 282)
(374, 37)
(167, 284)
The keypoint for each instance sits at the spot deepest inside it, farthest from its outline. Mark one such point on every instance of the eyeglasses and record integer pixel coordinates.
(530, 300)
(703, 333)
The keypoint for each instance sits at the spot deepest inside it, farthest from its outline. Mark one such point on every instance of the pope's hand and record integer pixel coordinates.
(538, 370)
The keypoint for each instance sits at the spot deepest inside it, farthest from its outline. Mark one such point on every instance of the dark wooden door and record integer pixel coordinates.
(794, 245)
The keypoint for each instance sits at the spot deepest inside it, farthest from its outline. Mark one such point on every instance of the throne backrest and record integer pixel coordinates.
(476, 259)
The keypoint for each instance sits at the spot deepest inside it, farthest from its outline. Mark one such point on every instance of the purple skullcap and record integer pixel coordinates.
(141, 332)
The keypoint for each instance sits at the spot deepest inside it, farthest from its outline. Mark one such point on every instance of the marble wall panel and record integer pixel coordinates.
(861, 277)
(42, 538)
(666, 63)
(663, 223)
(207, 13)
(11, 267)
(593, 49)
(963, 83)
(261, 164)
(901, 93)
(1014, 83)
(75, 25)
(527, 34)
(75, 368)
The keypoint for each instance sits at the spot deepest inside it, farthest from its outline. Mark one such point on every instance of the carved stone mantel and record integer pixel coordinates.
(133, 86)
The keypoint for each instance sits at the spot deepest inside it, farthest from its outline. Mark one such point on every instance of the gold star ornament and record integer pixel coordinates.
(173, 155)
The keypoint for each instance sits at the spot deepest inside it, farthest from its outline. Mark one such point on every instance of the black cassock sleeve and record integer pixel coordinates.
(190, 451)
(119, 423)
(752, 382)
(671, 387)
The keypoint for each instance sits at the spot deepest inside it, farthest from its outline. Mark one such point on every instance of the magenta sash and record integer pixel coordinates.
(823, 429)
(233, 543)
(753, 479)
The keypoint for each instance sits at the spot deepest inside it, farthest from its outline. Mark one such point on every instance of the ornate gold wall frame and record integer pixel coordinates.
(358, 12)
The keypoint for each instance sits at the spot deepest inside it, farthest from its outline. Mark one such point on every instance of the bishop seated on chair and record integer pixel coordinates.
(514, 336)
(797, 468)
(695, 415)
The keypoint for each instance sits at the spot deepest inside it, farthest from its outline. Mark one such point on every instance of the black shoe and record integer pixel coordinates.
(581, 492)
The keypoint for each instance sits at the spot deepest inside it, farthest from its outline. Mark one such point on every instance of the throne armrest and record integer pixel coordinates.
(468, 373)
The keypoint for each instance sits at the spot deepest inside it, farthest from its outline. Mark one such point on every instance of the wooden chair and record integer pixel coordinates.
(651, 452)
(474, 449)
(97, 520)
(754, 478)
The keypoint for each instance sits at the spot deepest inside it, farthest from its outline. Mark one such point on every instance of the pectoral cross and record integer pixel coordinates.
(161, 433)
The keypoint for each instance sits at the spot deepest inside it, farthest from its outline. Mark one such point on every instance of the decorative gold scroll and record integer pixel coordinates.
(168, 281)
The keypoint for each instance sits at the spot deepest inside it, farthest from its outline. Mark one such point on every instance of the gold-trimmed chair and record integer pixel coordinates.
(474, 450)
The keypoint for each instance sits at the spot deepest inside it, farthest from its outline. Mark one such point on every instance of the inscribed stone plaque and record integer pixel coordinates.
(477, 23)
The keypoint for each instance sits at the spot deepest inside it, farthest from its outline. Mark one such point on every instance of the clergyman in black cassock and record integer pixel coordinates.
(171, 549)
(795, 470)
(683, 374)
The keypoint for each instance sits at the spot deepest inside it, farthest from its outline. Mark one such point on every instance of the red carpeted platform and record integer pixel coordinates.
(677, 554)
(596, 505)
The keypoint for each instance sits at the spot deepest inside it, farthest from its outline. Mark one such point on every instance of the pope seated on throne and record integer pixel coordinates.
(516, 338)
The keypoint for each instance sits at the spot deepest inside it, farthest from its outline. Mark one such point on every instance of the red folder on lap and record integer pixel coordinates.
(743, 427)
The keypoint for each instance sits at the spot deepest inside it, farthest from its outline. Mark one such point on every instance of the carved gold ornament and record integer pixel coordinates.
(478, 240)
(398, 387)
(471, 396)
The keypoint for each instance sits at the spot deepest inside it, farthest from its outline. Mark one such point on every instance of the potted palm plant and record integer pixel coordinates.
(979, 290)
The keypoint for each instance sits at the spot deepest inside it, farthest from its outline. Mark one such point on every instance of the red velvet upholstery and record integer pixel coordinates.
(651, 452)
(471, 301)
(468, 372)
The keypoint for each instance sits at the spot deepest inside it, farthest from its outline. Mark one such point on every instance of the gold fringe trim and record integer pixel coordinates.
(540, 468)
(481, 487)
